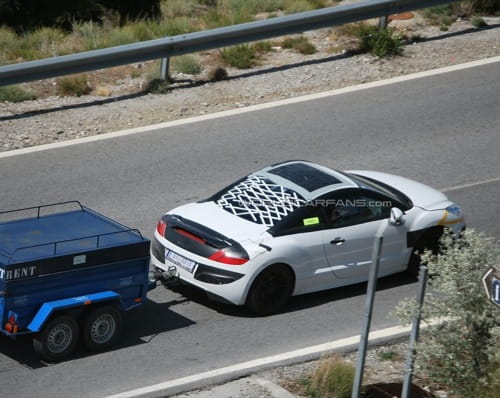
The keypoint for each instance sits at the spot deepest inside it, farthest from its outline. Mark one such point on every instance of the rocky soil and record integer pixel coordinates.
(122, 103)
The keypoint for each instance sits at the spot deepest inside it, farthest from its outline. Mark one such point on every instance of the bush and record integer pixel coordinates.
(73, 85)
(242, 56)
(444, 15)
(300, 44)
(379, 42)
(478, 22)
(459, 353)
(262, 46)
(15, 94)
(333, 378)
(187, 64)
(157, 86)
(217, 74)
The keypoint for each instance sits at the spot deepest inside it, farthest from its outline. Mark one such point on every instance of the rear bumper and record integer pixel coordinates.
(228, 290)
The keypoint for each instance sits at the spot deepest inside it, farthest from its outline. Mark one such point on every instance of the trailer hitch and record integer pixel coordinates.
(170, 277)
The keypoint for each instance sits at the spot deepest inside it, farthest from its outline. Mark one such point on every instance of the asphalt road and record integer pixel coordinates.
(442, 130)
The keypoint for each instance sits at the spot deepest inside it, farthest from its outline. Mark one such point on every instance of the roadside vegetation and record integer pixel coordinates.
(443, 16)
(333, 377)
(75, 85)
(66, 28)
(300, 44)
(460, 354)
(15, 94)
(383, 42)
(91, 30)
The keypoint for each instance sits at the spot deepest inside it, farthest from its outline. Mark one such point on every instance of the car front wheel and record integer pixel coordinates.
(271, 290)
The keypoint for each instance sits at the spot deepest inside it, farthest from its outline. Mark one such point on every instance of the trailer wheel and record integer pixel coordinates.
(57, 339)
(102, 327)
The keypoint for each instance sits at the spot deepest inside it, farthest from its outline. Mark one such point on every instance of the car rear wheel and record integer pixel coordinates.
(101, 328)
(271, 290)
(57, 339)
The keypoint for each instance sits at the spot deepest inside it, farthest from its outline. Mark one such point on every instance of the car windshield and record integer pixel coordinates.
(382, 188)
(260, 200)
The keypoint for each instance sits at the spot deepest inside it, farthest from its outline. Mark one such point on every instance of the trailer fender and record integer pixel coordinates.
(47, 309)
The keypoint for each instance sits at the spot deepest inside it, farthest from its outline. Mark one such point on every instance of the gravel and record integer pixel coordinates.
(282, 74)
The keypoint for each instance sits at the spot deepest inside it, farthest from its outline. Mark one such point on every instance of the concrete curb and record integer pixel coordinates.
(229, 373)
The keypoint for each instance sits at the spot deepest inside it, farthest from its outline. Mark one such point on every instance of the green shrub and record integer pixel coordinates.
(379, 42)
(15, 94)
(177, 8)
(187, 64)
(242, 56)
(478, 22)
(157, 86)
(300, 44)
(8, 40)
(459, 353)
(333, 378)
(388, 355)
(90, 33)
(73, 85)
(262, 46)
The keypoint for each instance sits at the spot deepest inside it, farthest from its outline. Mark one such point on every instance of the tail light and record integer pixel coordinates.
(11, 325)
(229, 256)
(161, 227)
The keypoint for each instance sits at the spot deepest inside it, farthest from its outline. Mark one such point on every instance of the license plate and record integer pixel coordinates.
(182, 262)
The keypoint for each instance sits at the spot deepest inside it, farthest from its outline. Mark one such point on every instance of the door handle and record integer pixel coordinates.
(337, 241)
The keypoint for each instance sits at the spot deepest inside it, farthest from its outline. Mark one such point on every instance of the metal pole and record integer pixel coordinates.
(367, 315)
(383, 22)
(164, 69)
(415, 325)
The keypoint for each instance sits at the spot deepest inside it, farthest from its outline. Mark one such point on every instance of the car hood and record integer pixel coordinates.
(420, 194)
(210, 215)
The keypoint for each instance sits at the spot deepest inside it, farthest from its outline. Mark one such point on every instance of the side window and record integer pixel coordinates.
(305, 219)
(357, 209)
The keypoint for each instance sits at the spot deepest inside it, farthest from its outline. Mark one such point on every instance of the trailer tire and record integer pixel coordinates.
(57, 339)
(102, 327)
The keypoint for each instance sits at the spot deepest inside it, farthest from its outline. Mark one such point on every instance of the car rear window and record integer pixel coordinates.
(260, 200)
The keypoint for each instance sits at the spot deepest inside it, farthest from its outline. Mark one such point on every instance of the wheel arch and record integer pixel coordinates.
(267, 266)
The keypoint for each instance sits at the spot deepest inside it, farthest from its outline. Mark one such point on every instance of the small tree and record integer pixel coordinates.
(462, 352)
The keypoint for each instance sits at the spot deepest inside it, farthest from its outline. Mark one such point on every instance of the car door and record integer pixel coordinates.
(299, 241)
(355, 217)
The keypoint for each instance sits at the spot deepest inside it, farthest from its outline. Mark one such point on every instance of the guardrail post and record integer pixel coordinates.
(164, 69)
(367, 314)
(383, 22)
(415, 325)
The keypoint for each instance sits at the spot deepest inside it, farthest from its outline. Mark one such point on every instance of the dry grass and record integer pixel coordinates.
(75, 85)
(332, 379)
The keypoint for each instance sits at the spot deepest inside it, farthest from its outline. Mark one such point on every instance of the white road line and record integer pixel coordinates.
(252, 108)
(469, 185)
(256, 364)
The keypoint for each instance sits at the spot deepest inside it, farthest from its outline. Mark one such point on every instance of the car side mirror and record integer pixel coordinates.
(396, 217)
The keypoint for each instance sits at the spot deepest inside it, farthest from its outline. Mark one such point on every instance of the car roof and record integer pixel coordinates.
(308, 179)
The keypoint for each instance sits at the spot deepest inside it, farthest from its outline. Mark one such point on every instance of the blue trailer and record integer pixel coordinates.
(66, 274)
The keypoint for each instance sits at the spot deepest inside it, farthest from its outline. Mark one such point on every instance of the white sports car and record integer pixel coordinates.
(298, 227)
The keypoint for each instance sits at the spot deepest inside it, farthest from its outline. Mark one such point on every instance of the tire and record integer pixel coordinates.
(101, 328)
(271, 290)
(57, 339)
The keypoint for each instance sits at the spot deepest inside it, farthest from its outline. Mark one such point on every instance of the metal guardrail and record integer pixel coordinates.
(208, 39)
